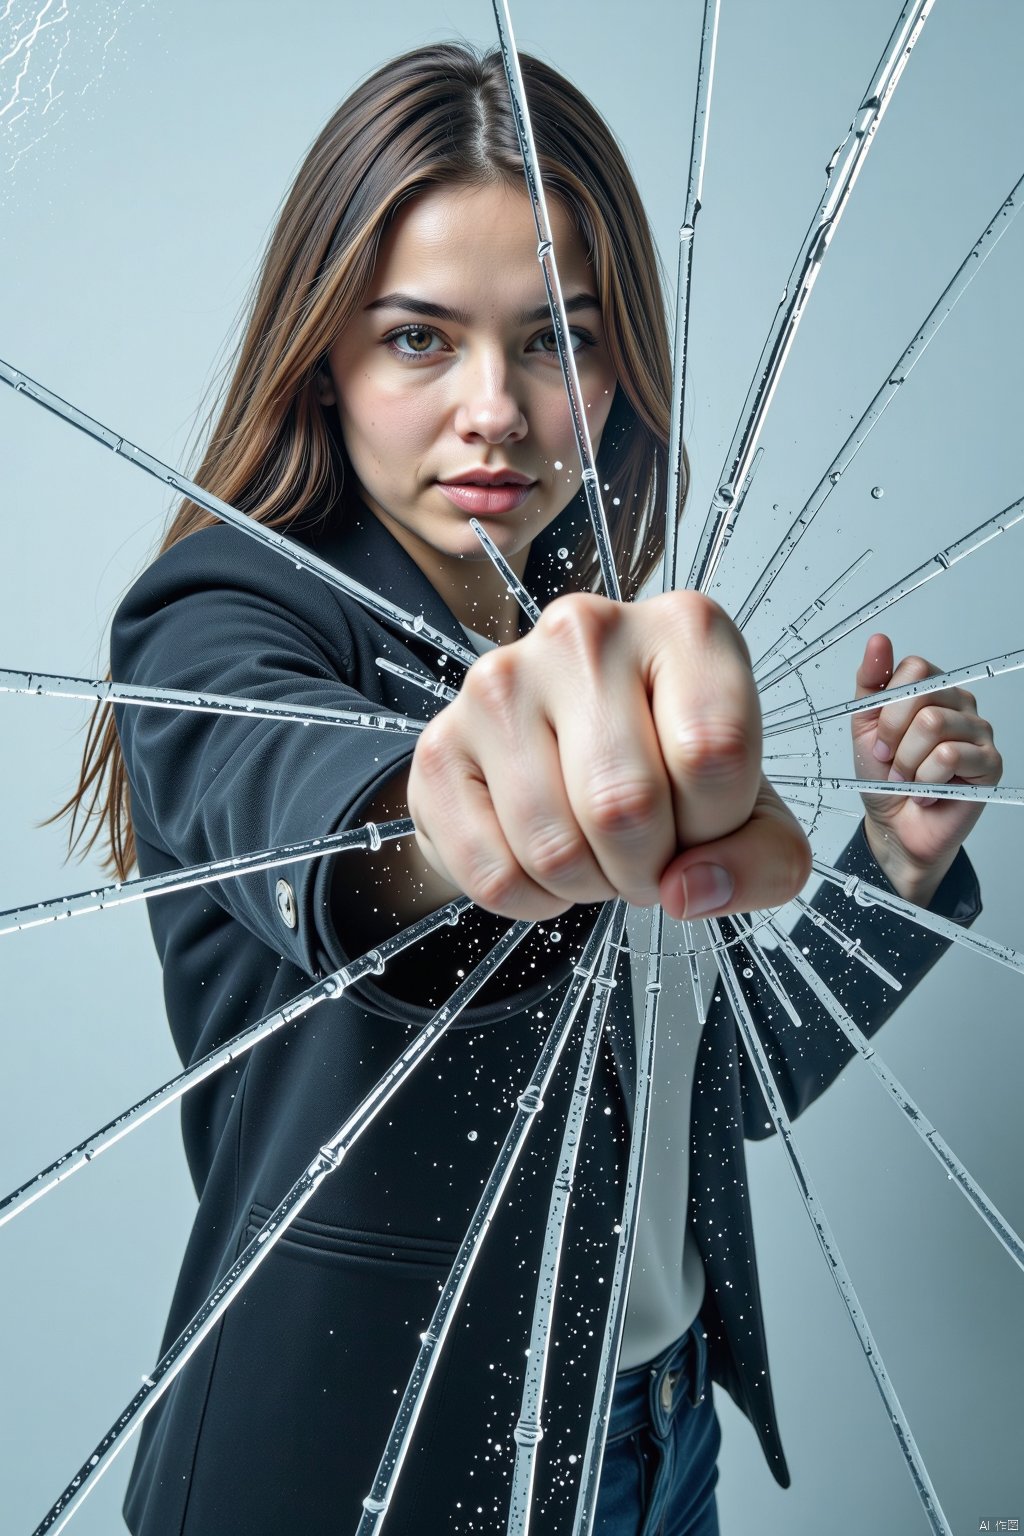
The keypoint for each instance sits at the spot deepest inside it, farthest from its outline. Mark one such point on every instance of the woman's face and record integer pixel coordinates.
(449, 391)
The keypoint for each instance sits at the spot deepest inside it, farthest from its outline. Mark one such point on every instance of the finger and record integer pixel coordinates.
(460, 836)
(608, 755)
(707, 716)
(526, 782)
(893, 720)
(969, 762)
(765, 863)
(931, 726)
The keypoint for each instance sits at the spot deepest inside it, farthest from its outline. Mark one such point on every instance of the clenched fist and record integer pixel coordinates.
(613, 751)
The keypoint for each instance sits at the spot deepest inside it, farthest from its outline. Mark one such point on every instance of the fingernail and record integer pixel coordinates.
(895, 777)
(882, 752)
(705, 888)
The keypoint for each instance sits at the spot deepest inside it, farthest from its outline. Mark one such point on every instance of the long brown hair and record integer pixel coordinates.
(438, 115)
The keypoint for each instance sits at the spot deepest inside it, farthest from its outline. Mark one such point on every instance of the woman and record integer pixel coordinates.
(396, 377)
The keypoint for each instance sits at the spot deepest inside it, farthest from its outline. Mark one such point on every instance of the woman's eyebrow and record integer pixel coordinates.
(416, 306)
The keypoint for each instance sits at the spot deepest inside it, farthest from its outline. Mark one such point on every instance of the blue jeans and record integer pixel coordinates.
(659, 1471)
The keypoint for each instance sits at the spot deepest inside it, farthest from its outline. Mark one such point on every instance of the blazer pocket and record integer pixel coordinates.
(306, 1238)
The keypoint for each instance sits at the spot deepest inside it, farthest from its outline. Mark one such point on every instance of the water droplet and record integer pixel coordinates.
(877, 492)
(558, 464)
(563, 553)
(834, 477)
(616, 502)
(747, 972)
(556, 936)
(471, 1135)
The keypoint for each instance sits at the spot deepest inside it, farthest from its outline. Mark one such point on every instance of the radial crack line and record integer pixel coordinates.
(611, 1342)
(995, 794)
(955, 1170)
(229, 1287)
(505, 571)
(529, 1429)
(840, 177)
(850, 947)
(894, 380)
(867, 895)
(57, 686)
(793, 631)
(684, 272)
(680, 356)
(370, 836)
(529, 1104)
(556, 300)
(823, 1232)
(821, 805)
(329, 988)
(941, 561)
(289, 549)
(777, 721)
(418, 679)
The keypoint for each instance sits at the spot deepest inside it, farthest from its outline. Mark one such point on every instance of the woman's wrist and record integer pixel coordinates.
(914, 882)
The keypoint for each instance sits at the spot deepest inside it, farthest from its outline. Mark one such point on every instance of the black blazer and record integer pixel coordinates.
(280, 1419)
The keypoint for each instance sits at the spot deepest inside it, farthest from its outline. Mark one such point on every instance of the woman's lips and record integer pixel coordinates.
(470, 497)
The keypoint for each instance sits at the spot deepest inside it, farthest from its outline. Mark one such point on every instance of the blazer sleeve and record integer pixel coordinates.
(805, 1061)
(222, 614)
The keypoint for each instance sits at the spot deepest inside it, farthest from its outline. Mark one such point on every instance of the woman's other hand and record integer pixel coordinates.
(615, 750)
(936, 738)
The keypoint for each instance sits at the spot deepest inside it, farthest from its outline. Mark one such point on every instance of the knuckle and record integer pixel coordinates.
(948, 753)
(698, 615)
(576, 619)
(706, 622)
(931, 719)
(556, 854)
(433, 752)
(493, 681)
(621, 805)
(708, 747)
(496, 886)
(915, 667)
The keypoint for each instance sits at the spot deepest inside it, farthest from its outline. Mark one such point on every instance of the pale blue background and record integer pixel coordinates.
(129, 229)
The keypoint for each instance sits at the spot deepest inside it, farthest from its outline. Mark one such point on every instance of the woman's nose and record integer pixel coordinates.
(488, 407)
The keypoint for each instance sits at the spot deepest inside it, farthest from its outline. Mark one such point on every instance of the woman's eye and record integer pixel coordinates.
(414, 341)
(548, 344)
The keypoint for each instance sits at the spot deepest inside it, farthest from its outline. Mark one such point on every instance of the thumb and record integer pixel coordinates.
(873, 674)
(764, 863)
(876, 669)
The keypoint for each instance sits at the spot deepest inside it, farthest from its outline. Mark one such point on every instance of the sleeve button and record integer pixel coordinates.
(286, 904)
